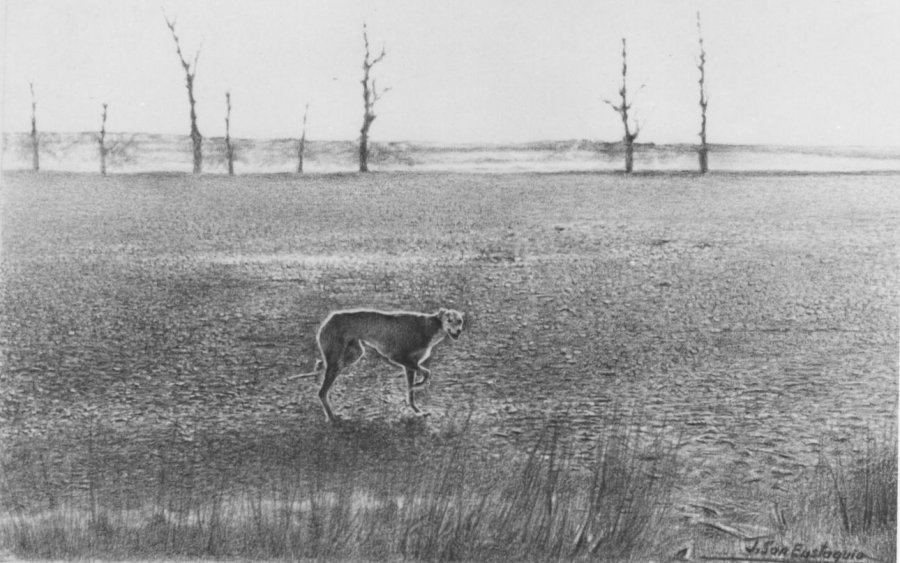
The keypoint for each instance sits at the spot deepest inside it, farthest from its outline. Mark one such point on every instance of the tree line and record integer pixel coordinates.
(371, 95)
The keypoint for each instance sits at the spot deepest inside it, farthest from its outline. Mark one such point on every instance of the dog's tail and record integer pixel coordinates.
(316, 370)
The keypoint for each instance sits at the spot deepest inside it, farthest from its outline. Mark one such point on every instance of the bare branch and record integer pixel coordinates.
(379, 57)
(366, 43)
(103, 124)
(376, 95)
(187, 67)
(700, 31)
(227, 111)
(171, 24)
(368, 62)
(197, 59)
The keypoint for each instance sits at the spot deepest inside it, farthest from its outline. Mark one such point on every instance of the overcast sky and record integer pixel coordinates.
(781, 71)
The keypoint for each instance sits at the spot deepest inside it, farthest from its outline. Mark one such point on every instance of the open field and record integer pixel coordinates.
(150, 322)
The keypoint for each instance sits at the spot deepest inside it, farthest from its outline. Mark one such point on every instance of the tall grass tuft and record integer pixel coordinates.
(455, 503)
(863, 489)
(849, 500)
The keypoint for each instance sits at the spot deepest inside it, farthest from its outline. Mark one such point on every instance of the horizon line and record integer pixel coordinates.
(478, 143)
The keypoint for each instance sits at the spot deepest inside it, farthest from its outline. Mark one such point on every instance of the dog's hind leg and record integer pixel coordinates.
(331, 373)
(352, 353)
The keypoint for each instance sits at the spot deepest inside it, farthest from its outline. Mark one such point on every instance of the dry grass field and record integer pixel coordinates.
(651, 361)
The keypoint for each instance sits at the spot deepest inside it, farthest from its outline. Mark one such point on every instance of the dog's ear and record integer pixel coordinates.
(442, 312)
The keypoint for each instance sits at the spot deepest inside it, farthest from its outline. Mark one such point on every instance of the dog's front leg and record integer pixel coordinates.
(410, 389)
(426, 373)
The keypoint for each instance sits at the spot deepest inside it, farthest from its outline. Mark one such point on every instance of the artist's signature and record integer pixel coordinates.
(772, 551)
(801, 551)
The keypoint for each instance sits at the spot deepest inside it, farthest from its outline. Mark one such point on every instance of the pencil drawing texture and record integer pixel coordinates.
(667, 362)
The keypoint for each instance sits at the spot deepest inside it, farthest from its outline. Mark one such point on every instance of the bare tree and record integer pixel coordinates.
(703, 152)
(229, 148)
(190, 71)
(101, 139)
(301, 148)
(622, 110)
(370, 96)
(35, 150)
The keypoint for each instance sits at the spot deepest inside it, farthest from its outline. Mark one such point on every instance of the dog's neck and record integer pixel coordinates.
(436, 321)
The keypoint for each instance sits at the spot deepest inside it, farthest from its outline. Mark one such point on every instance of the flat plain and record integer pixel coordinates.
(751, 318)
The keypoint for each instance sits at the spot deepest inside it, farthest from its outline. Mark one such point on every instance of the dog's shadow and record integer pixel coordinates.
(350, 442)
(379, 429)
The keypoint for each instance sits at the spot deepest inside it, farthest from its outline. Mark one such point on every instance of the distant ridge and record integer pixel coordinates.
(148, 152)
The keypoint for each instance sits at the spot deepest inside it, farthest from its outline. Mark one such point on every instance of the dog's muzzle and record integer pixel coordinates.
(454, 334)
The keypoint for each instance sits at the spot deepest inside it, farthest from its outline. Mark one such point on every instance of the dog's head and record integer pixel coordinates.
(451, 322)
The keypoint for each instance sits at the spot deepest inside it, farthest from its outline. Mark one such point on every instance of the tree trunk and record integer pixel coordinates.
(364, 151)
(704, 159)
(190, 71)
(622, 109)
(629, 156)
(370, 96)
(196, 137)
(301, 148)
(197, 142)
(102, 141)
(229, 149)
(368, 118)
(35, 150)
(703, 152)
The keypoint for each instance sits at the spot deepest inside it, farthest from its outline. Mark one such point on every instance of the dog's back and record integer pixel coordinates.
(394, 330)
